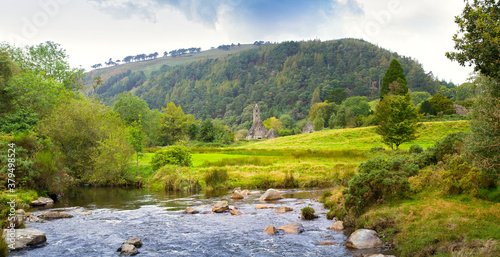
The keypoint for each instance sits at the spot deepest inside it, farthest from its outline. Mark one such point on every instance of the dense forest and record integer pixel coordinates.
(281, 78)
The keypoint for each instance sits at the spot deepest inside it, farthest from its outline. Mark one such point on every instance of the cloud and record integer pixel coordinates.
(257, 14)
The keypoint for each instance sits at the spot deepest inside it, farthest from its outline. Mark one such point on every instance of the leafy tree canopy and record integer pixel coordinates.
(394, 81)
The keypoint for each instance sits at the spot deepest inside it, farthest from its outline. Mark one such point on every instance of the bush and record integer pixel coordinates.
(460, 177)
(416, 149)
(216, 177)
(175, 155)
(450, 145)
(377, 149)
(308, 213)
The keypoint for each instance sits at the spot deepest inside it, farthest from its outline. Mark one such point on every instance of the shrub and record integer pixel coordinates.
(416, 149)
(377, 149)
(176, 155)
(450, 145)
(460, 177)
(308, 213)
(216, 177)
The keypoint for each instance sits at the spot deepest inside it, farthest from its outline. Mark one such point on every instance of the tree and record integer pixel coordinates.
(287, 121)
(50, 60)
(130, 108)
(398, 120)
(478, 37)
(316, 96)
(484, 141)
(419, 97)
(206, 133)
(426, 108)
(174, 124)
(135, 139)
(336, 96)
(274, 123)
(440, 103)
(394, 81)
(91, 138)
(358, 105)
(319, 122)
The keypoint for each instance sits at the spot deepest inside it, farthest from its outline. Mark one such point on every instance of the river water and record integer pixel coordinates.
(106, 217)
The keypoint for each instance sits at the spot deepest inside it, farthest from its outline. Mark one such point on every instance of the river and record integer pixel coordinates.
(106, 217)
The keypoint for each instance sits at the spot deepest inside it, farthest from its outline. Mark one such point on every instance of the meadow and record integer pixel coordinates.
(320, 159)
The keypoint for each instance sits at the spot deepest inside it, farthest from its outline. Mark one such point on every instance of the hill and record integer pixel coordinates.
(281, 78)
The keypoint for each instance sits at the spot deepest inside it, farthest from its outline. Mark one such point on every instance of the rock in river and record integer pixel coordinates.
(26, 237)
(135, 241)
(236, 212)
(294, 228)
(52, 215)
(42, 201)
(270, 195)
(339, 225)
(237, 195)
(190, 210)
(261, 206)
(128, 249)
(364, 239)
(220, 206)
(270, 230)
(283, 209)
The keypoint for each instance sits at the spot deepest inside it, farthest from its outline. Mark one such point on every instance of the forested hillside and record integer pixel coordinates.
(281, 78)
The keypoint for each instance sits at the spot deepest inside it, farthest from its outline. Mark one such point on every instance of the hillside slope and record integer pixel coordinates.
(357, 138)
(281, 78)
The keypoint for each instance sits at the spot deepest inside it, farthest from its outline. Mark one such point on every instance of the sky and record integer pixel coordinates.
(92, 31)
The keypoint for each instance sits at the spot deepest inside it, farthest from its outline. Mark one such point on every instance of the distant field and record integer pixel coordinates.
(152, 65)
(357, 138)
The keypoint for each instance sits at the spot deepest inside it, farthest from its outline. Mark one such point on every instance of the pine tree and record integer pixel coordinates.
(394, 81)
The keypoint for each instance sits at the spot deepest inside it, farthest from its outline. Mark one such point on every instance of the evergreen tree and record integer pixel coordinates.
(394, 81)
(206, 133)
(316, 96)
(398, 120)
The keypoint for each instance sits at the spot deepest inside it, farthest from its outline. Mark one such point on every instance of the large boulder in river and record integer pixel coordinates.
(42, 201)
(270, 195)
(135, 241)
(128, 249)
(237, 195)
(53, 215)
(338, 225)
(220, 206)
(364, 239)
(294, 228)
(270, 230)
(25, 237)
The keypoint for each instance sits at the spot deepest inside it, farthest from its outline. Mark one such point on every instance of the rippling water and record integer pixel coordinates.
(157, 219)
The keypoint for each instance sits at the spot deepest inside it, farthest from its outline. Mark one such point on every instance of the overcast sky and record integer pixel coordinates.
(92, 31)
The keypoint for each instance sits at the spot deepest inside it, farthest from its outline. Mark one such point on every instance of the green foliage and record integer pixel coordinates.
(287, 121)
(91, 138)
(206, 133)
(173, 178)
(358, 105)
(319, 122)
(274, 123)
(416, 149)
(50, 60)
(130, 108)
(398, 120)
(308, 213)
(331, 121)
(394, 81)
(477, 39)
(419, 97)
(174, 124)
(316, 96)
(378, 180)
(426, 108)
(21, 121)
(483, 144)
(461, 178)
(215, 177)
(440, 103)
(172, 155)
(326, 108)
(336, 96)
